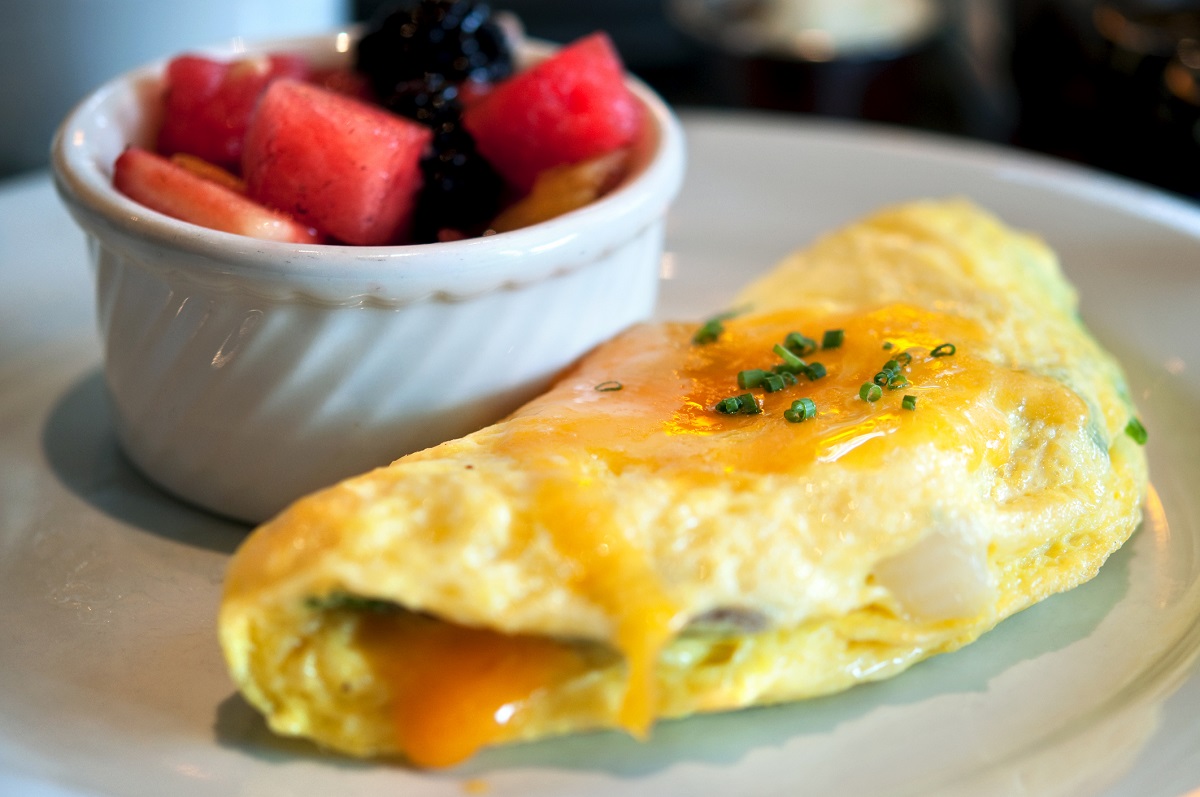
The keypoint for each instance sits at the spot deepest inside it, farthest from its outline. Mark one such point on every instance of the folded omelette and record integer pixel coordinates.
(901, 436)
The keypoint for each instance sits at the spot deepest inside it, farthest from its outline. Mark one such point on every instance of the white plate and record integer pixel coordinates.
(111, 681)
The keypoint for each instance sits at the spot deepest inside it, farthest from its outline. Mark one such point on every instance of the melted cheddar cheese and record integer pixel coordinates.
(454, 688)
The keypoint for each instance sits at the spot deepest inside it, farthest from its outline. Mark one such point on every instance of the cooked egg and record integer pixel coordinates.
(643, 542)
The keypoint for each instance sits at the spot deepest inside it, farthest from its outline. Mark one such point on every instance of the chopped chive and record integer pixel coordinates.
(785, 370)
(745, 404)
(774, 383)
(1138, 432)
(790, 360)
(788, 377)
(909, 402)
(712, 328)
(898, 381)
(749, 404)
(815, 371)
(904, 358)
(806, 407)
(887, 344)
(891, 369)
(751, 377)
(609, 386)
(799, 344)
(870, 392)
(832, 338)
(944, 350)
(801, 410)
(729, 405)
(709, 332)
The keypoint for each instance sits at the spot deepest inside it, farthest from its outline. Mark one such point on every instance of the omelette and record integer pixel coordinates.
(894, 440)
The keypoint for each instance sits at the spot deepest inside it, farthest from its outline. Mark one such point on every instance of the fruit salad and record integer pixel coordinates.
(430, 134)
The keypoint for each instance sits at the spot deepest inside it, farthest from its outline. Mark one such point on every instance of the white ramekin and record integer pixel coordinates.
(246, 373)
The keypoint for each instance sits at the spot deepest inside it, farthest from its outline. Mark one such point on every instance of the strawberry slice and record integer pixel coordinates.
(569, 108)
(347, 168)
(208, 103)
(175, 191)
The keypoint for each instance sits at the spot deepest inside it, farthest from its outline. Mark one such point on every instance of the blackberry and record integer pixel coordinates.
(462, 191)
(457, 39)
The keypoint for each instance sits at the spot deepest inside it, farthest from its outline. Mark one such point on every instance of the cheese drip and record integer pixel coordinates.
(616, 576)
(453, 689)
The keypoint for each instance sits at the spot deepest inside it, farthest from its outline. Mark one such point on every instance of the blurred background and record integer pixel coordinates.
(1110, 83)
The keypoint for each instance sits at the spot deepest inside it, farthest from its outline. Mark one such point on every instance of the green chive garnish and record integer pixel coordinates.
(887, 344)
(609, 386)
(944, 350)
(832, 338)
(749, 404)
(904, 358)
(909, 403)
(891, 370)
(774, 383)
(870, 392)
(709, 332)
(806, 407)
(751, 377)
(729, 405)
(790, 360)
(1138, 432)
(815, 371)
(799, 344)
(712, 328)
(746, 404)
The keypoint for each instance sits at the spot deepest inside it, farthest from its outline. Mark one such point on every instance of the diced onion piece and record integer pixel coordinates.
(942, 577)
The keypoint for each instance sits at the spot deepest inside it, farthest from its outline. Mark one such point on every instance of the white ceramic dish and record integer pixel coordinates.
(246, 373)
(111, 681)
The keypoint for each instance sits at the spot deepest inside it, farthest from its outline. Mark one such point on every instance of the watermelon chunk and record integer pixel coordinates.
(181, 193)
(208, 103)
(348, 168)
(571, 107)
